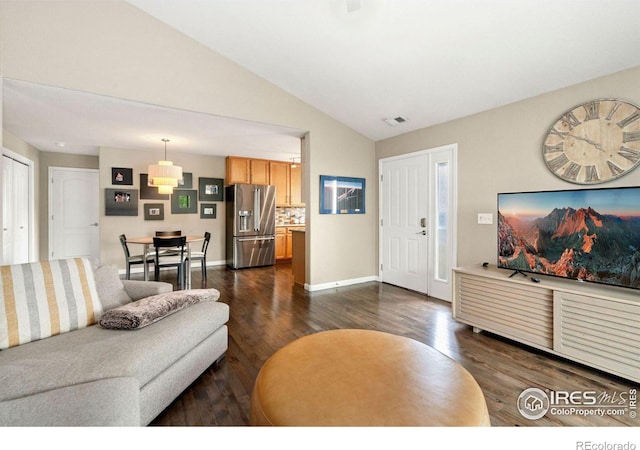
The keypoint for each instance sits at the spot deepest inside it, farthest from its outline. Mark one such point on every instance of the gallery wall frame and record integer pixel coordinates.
(149, 192)
(210, 189)
(153, 211)
(342, 195)
(208, 210)
(186, 182)
(121, 176)
(184, 201)
(121, 202)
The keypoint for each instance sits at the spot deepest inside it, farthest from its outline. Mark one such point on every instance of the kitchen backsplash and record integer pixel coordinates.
(289, 215)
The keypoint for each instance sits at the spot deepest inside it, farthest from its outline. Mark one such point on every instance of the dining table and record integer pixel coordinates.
(147, 242)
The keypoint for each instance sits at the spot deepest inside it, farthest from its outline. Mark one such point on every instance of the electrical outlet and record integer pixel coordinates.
(485, 218)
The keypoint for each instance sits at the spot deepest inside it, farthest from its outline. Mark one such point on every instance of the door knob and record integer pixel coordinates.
(423, 232)
(94, 224)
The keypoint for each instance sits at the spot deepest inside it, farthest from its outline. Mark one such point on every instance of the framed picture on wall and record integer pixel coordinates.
(184, 201)
(210, 189)
(342, 195)
(154, 211)
(208, 210)
(187, 181)
(121, 176)
(121, 202)
(150, 192)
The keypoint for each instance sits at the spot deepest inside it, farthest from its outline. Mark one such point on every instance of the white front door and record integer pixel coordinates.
(16, 211)
(73, 213)
(418, 221)
(404, 222)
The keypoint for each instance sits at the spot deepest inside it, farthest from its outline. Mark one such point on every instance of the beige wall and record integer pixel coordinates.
(113, 226)
(42, 162)
(54, 159)
(125, 53)
(112, 48)
(500, 151)
(17, 145)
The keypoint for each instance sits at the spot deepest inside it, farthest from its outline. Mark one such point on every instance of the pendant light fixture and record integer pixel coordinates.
(164, 175)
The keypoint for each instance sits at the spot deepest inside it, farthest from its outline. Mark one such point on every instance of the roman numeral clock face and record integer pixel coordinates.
(595, 142)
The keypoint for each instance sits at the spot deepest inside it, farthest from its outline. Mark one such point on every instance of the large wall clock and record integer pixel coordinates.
(594, 142)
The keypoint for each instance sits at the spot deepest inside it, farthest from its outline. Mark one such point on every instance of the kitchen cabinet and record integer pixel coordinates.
(280, 177)
(289, 244)
(296, 198)
(281, 243)
(247, 170)
(288, 181)
(286, 178)
(259, 171)
(284, 242)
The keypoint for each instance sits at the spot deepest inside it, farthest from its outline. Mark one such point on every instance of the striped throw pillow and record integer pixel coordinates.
(46, 298)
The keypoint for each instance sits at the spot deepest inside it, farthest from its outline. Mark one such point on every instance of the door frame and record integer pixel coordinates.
(50, 202)
(32, 200)
(431, 229)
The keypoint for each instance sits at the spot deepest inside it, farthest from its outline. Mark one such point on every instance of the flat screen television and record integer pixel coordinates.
(584, 234)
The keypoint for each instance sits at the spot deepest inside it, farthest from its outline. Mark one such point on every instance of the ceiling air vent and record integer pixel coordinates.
(395, 121)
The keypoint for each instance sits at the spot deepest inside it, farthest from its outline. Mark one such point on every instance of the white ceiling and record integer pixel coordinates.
(47, 117)
(429, 61)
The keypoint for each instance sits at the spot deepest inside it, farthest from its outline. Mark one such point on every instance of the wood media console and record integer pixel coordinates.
(592, 324)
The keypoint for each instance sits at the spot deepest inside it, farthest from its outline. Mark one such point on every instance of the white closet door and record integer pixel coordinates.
(15, 211)
(21, 208)
(7, 211)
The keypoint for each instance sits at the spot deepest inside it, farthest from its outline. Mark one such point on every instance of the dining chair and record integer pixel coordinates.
(168, 233)
(171, 259)
(175, 233)
(201, 255)
(130, 259)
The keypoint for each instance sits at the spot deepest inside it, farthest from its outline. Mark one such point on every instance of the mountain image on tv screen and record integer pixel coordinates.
(589, 235)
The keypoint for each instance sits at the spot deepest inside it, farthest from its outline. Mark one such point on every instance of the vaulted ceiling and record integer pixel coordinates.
(428, 61)
(362, 62)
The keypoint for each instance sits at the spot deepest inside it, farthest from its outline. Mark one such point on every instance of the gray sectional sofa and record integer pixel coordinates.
(93, 376)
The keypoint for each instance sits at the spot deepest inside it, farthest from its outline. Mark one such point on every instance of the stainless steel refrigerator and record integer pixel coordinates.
(251, 225)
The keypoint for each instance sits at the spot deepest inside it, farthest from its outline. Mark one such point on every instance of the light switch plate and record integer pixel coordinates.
(485, 218)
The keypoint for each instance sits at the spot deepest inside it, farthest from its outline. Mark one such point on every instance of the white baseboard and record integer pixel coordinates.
(307, 287)
(337, 284)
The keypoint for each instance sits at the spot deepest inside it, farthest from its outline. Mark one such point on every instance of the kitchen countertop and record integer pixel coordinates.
(290, 225)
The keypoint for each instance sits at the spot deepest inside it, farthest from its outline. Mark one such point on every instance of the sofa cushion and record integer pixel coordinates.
(141, 289)
(93, 353)
(110, 287)
(146, 311)
(43, 299)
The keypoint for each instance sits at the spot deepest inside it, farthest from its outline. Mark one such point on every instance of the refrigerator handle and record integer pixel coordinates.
(256, 209)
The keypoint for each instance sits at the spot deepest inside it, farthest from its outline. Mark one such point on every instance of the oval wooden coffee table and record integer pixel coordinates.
(364, 378)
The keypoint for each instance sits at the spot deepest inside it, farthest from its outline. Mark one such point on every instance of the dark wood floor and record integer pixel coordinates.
(267, 311)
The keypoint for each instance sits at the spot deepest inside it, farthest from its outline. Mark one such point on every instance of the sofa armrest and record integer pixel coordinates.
(141, 289)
